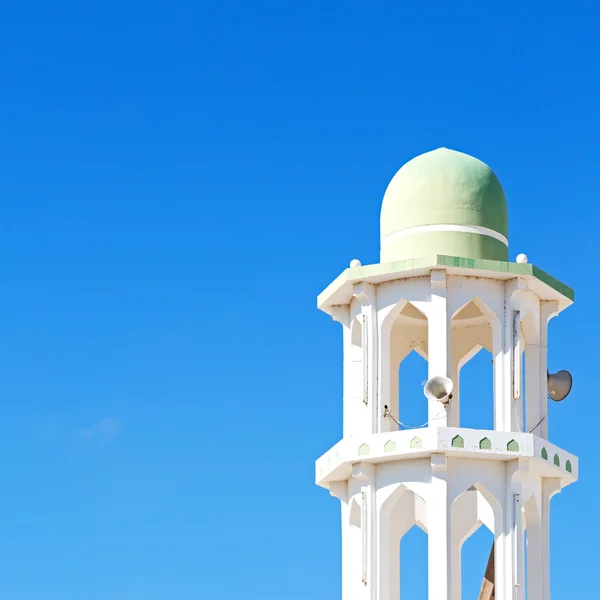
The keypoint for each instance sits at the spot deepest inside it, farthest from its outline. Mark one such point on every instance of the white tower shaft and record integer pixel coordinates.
(445, 479)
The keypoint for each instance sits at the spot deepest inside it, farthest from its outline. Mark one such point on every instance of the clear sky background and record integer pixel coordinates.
(179, 180)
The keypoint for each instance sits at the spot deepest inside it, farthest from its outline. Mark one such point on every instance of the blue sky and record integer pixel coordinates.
(179, 180)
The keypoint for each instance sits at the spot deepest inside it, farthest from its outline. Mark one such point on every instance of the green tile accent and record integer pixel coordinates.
(458, 442)
(390, 446)
(544, 454)
(416, 442)
(512, 446)
(556, 460)
(485, 444)
(568, 467)
(364, 450)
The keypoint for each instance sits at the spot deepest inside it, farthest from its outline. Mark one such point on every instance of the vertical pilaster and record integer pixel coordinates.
(341, 314)
(339, 489)
(438, 343)
(533, 412)
(438, 517)
(367, 296)
(388, 558)
(517, 372)
(535, 579)
(550, 487)
(364, 473)
(508, 396)
(519, 547)
(507, 548)
(548, 309)
(454, 406)
(498, 368)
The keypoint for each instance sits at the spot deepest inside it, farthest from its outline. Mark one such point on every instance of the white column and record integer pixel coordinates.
(498, 368)
(535, 579)
(532, 393)
(550, 487)
(508, 397)
(388, 559)
(339, 489)
(364, 473)
(367, 296)
(341, 314)
(438, 525)
(454, 406)
(392, 372)
(517, 420)
(506, 567)
(438, 343)
(520, 584)
(391, 529)
(548, 309)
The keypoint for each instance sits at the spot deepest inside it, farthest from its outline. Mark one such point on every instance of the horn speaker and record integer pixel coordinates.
(559, 385)
(439, 388)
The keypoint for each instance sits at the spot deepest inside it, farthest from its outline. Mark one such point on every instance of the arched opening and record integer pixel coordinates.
(474, 515)
(477, 392)
(475, 558)
(408, 367)
(403, 540)
(413, 565)
(472, 367)
(413, 404)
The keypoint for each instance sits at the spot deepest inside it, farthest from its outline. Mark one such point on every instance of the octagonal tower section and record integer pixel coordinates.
(445, 289)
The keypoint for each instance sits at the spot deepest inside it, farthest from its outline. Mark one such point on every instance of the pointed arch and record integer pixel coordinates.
(410, 403)
(485, 477)
(470, 509)
(475, 326)
(400, 510)
(489, 293)
(394, 343)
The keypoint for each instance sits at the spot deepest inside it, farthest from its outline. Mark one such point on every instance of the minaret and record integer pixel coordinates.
(445, 287)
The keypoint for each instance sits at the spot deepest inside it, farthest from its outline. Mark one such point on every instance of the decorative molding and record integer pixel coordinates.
(390, 446)
(444, 228)
(485, 444)
(416, 442)
(458, 442)
(364, 450)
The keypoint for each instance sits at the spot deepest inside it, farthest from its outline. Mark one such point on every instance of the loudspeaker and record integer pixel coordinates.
(439, 388)
(559, 385)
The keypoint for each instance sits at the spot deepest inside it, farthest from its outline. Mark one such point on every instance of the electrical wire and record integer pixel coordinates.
(403, 426)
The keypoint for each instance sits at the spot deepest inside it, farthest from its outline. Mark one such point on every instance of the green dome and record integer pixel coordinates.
(444, 202)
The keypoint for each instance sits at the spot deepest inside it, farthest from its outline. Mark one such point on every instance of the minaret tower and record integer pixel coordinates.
(445, 287)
